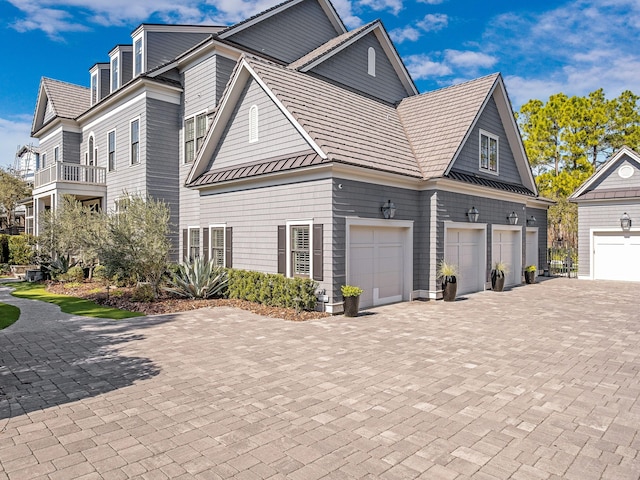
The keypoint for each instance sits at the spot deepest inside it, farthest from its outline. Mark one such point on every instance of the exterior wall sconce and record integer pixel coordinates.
(625, 222)
(473, 214)
(513, 218)
(531, 221)
(388, 209)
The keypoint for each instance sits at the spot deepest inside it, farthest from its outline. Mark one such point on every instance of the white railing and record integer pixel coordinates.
(71, 172)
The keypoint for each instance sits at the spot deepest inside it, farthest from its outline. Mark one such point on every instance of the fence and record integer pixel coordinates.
(563, 262)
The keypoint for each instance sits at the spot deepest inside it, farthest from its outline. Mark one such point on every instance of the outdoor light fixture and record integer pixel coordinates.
(473, 214)
(625, 221)
(513, 218)
(388, 209)
(531, 221)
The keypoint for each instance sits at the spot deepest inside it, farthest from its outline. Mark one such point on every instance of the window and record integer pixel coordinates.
(371, 61)
(56, 154)
(137, 57)
(195, 129)
(488, 152)
(91, 153)
(43, 160)
(135, 141)
(111, 147)
(300, 248)
(114, 74)
(217, 246)
(94, 88)
(194, 243)
(253, 124)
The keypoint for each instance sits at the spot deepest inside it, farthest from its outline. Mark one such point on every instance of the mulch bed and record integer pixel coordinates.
(121, 298)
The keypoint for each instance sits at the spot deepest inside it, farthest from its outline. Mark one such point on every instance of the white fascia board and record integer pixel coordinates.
(377, 177)
(51, 134)
(608, 166)
(454, 186)
(258, 19)
(206, 51)
(52, 128)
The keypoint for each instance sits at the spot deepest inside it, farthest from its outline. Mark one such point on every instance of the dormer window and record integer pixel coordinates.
(94, 88)
(114, 74)
(488, 152)
(137, 57)
(253, 124)
(371, 61)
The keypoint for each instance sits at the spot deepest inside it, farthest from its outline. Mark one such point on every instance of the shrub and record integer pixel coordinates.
(198, 279)
(74, 274)
(351, 291)
(273, 289)
(59, 266)
(21, 249)
(531, 268)
(143, 292)
(100, 273)
(4, 248)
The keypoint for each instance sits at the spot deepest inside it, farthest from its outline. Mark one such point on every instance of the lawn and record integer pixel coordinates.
(68, 304)
(8, 315)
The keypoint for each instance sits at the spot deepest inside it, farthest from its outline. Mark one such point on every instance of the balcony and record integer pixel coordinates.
(70, 173)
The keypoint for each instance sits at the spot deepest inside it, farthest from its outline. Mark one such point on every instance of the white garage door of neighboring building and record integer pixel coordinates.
(616, 256)
(532, 247)
(507, 248)
(466, 249)
(377, 263)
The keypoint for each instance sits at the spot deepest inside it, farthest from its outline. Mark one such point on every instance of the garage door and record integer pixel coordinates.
(616, 256)
(506, 248)
(532, 248)
(376, 264)
(465, 248)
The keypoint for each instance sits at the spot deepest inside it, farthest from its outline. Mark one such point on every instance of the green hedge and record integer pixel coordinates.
(272, 289)
(21, 249)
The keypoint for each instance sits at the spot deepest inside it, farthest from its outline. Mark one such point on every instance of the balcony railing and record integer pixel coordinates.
(72, 173)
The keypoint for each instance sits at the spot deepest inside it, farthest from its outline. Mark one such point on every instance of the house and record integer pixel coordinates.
(285, 143)
(608, 207)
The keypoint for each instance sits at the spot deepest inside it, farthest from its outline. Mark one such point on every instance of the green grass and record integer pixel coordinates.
(8, 315)
(69, 304)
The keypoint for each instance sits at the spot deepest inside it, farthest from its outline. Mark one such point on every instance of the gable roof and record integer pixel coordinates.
(584, 193)
(360, 131)
(67, 100)
(326, 5)
(337, 44)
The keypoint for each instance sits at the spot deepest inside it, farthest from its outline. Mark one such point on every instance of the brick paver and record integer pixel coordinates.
(541, 381)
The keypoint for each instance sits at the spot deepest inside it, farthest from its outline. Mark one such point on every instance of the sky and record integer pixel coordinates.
(541, 47)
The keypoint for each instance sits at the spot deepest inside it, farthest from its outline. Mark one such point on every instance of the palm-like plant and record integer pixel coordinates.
(198, 279)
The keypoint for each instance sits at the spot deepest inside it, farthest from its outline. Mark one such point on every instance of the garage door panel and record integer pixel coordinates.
(617, 257)
(505, 249)
(464, 248)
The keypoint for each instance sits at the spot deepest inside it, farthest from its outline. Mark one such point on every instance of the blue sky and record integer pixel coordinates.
(541, 47)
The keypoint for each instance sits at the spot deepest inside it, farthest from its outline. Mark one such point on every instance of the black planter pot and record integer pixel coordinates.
(449, 289)
(351, 306)
(497, 282)
(529, 277)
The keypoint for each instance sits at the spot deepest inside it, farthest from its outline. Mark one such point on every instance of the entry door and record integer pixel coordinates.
(505, 249)
(465, 248)
(616, 256)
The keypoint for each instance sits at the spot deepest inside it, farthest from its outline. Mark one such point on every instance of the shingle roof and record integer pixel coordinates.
(437, 122)
(250, 19)
(348, 127)
(328, 47)
(68, 100)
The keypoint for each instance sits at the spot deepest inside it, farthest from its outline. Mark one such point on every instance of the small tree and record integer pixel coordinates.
(12, 190)
(137, 246)
(21, 249)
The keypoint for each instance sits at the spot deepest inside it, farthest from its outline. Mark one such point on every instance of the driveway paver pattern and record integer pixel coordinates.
(538, 382)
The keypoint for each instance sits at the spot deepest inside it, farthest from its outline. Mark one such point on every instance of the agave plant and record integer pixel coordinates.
(198, 278)
(60, 265)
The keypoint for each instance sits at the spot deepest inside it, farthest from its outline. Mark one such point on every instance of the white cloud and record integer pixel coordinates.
(469, 59)
(400, 35)
(345, 10)
(423, 67)
(392, 5)
(14, 132)
(433, 22)
(431, 2)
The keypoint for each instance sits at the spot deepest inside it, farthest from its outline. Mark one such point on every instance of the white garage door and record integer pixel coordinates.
(465, 248)
(376, 263)
(616, 256)
(506, 249)
(532, 248)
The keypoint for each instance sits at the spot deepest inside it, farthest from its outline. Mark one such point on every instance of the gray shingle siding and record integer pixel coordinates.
(199, 89)
(127, 67)
(613, 180)
(163, 47)
(224, 67)
(70, 148)
(469, 157)
(542, 224)
(49, 112)
(105, 85)
(290, 34)
(48, 146)
(349, 67)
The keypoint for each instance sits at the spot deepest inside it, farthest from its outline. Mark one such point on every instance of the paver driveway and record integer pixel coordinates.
(538, 382)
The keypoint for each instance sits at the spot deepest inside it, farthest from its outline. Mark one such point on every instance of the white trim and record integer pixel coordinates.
(46, 138)
(115, 149)
(371, 61)
(143, 54)
(490, 136)
(117, 79)
(407, 250)
(223, 226)
(254, 124)
(94, 84)
(189, 228)
(605, 168)
(193, 116)
(292, 223)
(130, 144)
(534, 230)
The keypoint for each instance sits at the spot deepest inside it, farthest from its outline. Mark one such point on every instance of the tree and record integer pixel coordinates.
(12, 190)
(137, 244)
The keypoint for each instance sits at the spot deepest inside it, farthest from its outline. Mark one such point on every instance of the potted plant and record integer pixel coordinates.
(498, 273)
(447, 273)
(530, 274)
(351, 296)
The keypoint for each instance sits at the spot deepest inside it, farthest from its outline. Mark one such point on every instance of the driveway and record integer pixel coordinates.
(538, 382)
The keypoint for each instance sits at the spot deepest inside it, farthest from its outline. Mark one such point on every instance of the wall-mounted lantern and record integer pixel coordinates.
(513, 218)
(531, 221)
(625, 222)
(473, 214)
(388, 209)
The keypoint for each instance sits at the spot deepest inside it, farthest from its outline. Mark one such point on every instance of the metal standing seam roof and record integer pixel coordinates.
(68, 100)
(436, 122)
(610, 194)
(348, 127)
(487, 182)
